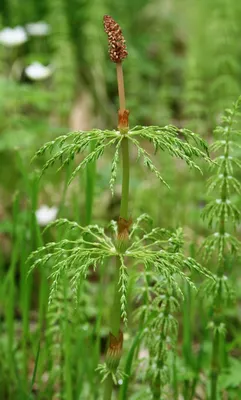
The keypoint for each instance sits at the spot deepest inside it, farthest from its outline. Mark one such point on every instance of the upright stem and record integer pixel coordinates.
(125, 178)
(108, 388)
(114, 325)
(116, 307)
(215, 365)
(187, 337)
(121, 88)
(156, 387)
(215, 362)
(116, 311)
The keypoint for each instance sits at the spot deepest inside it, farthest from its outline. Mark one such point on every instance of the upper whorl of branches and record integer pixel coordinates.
(117, 46)
(180, 143)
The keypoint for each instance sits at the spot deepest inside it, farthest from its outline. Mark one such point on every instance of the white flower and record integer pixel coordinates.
(40, 28)
(11, 37)
(37, 71)
(46, 214)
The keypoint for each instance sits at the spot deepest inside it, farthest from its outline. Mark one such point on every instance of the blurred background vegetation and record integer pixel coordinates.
(184, 67)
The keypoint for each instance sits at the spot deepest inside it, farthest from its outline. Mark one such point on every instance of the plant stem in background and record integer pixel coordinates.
(161, 354)
(10, 288)
(222, 214)
(187, 337)
(129, 362)
(215, 362)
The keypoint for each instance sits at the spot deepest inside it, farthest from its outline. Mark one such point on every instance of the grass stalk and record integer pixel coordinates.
(157, 389)
(67, 346)
(10, 289)
(129, 363)
(201, 352)
(187, 337)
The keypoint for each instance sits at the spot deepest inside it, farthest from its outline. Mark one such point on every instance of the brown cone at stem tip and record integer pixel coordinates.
(123, 119)
(123, 228)
(117, 46)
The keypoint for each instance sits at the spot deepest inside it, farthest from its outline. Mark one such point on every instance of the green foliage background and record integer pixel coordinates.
(183, 68)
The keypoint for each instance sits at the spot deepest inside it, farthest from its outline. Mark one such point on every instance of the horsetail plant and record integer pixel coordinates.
(160, 301)
(130, 244)
(223, 215)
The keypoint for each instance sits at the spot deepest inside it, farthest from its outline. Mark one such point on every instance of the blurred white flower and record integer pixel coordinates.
(40, 28)
(37, 71)
(46, 214)
(11, 37)
(143, 354)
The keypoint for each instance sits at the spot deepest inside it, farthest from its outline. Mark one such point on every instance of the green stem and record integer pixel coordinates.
(175, 377)
(66, 345)
(201, 353)
(187, 338)
(108, 388)
(157, 386)
(116, 307)
(125, 178)
(129, 362)
(215, 366)
(116, 311)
